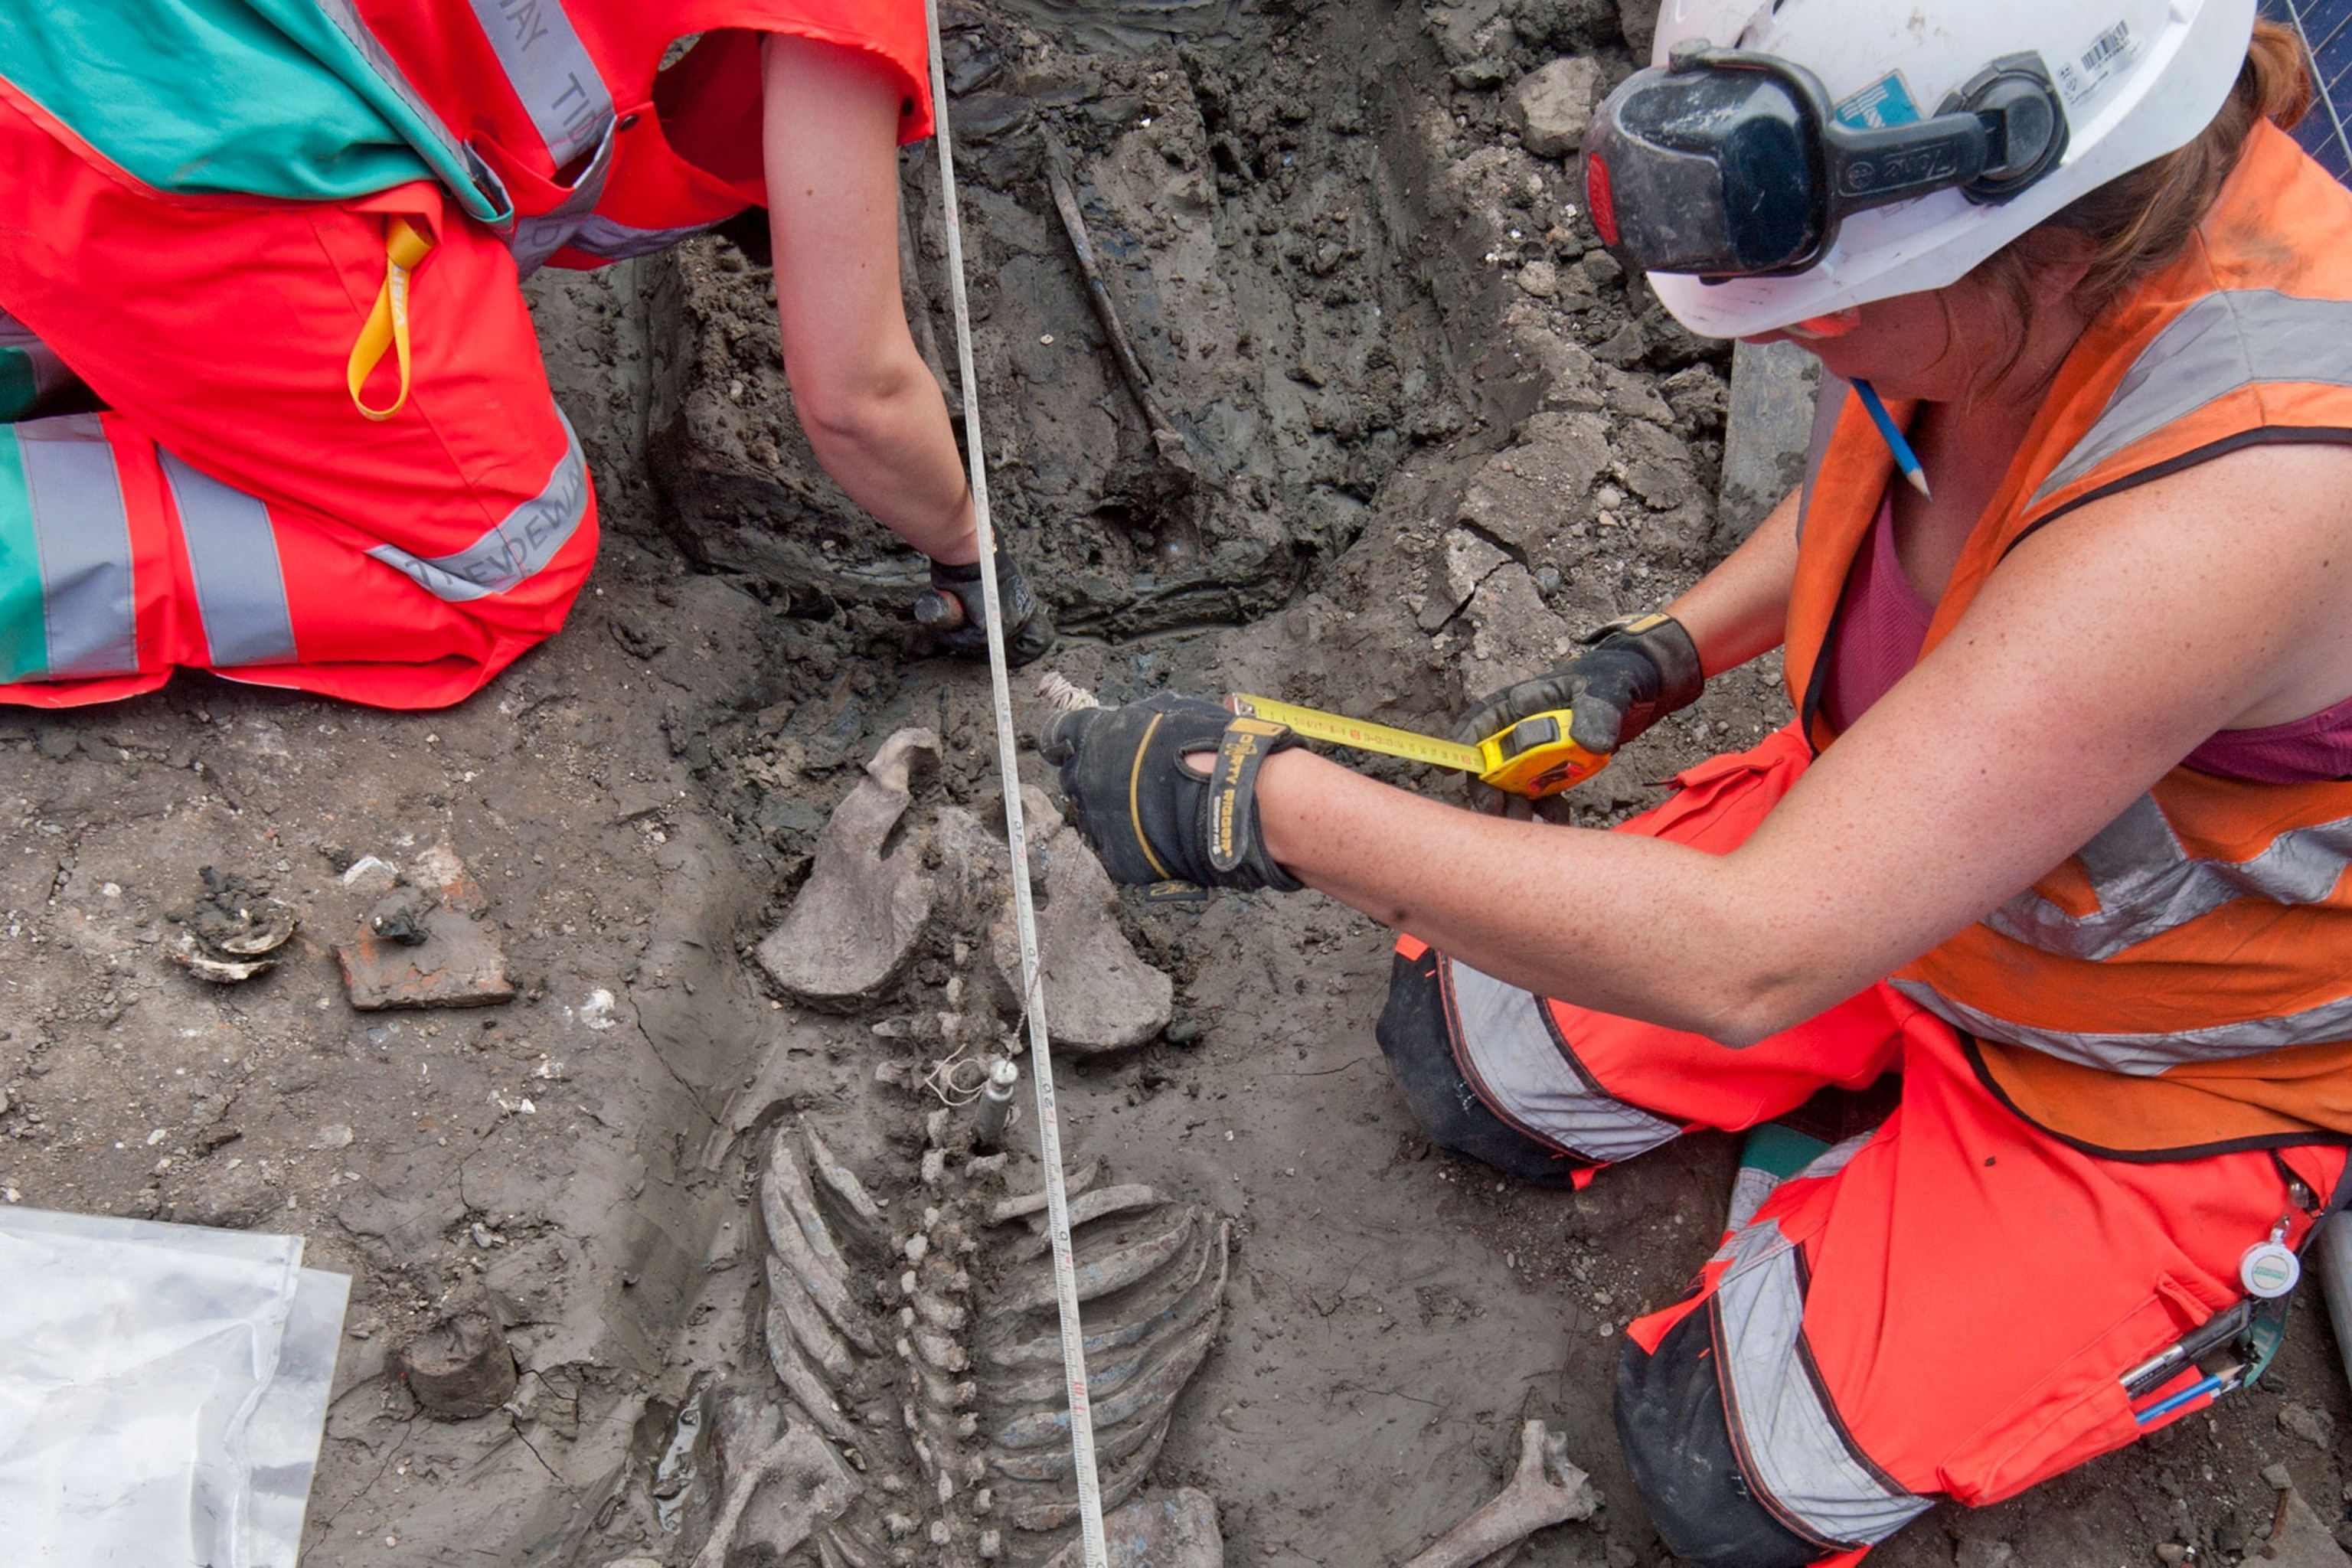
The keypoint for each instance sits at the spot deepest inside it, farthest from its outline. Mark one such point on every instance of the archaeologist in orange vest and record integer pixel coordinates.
(2060, 831)
(279, 242)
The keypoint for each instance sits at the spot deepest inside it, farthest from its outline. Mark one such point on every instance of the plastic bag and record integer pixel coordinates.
(163, 1391)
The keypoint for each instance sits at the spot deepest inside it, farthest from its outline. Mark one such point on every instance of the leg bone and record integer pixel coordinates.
(1547, 1490)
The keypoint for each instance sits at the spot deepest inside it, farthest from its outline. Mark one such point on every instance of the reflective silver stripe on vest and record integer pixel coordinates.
(490, 190)
(1507, 1035)
(508, 554)
(233, 555)
(550, 70)
(1792, 1443)
(2145, 1056)
(602, 237)
(2148, 884)
(83, 534)
(2222, 342)
(536, 238)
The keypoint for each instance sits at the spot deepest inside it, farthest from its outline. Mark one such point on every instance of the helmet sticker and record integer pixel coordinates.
(1884, 102)
(2108, 53)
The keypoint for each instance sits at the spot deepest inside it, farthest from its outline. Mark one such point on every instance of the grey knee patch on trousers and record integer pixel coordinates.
(1672, 1428)
(1413, 1037)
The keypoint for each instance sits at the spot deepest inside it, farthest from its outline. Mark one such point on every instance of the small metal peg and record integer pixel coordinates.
(995, 1112)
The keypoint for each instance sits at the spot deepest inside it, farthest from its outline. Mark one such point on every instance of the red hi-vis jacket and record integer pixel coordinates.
(551, 121)
(2184, 981)
(562, 104)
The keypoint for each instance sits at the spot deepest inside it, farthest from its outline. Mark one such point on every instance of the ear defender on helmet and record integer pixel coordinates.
(1733, 163)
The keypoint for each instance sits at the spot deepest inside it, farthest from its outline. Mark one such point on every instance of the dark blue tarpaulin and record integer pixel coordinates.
(2326, 29)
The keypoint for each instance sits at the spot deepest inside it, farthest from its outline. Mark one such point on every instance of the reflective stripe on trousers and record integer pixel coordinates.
(1791, 1445)
(68, 589)
(233, 559)
(507, 555)
(66, 606)
(1512, 1055)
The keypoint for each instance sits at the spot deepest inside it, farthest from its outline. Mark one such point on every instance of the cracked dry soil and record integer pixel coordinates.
(1438, 433)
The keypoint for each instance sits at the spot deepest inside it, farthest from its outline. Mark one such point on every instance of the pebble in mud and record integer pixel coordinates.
(1554, 104)
(2316, 1427)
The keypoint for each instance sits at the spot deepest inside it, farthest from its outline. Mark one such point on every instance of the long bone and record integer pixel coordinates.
(1026, 1509)
(795, 1230)
(799, 1460)
(792, 1369)
(863, 1219)
(1545, 1490)
(789, 1299)
(1005, 1210)
(1187, 1305)
(1114, 1271)
(1099, 1204)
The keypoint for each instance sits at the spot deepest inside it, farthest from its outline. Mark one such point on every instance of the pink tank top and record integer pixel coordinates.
(1882, 625)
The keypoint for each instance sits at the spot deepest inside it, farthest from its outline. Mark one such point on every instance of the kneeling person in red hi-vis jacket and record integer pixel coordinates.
(278, 241)
(2060, 835)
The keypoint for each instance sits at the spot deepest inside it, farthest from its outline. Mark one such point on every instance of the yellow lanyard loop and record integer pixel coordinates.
(387, 324)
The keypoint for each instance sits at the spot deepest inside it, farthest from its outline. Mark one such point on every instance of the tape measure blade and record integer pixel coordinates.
(1342, 730)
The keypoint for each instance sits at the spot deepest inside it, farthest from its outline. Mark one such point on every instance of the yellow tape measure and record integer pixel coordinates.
(1534, 757)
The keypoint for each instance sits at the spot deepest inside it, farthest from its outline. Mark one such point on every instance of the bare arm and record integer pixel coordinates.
(2105, 649)
(1740, 609)
(868, 403)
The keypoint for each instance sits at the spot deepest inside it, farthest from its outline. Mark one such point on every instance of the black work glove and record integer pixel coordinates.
(1151, 818)
(1632, 673)
(954, 610)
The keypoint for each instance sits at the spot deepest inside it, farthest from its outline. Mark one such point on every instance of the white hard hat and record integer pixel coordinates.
(2138, 80)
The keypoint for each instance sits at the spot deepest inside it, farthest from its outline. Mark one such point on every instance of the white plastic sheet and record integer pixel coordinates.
(163, 1392)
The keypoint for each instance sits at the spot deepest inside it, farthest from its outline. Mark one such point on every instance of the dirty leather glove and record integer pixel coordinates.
(954, 610)
(1633, 672)
(1151, 818)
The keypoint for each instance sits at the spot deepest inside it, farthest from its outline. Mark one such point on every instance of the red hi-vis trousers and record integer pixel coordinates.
(232, 510)
(1941, 1308)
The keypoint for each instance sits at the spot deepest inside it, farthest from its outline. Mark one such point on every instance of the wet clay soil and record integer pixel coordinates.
(1435, 433)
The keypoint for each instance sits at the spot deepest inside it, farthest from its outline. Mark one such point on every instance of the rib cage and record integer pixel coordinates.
(931, 1353)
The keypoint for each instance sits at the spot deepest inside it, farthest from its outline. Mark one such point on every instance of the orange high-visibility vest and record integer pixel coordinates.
(2185, 980)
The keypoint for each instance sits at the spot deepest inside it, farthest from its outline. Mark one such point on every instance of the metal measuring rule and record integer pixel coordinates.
(1040, 1054)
